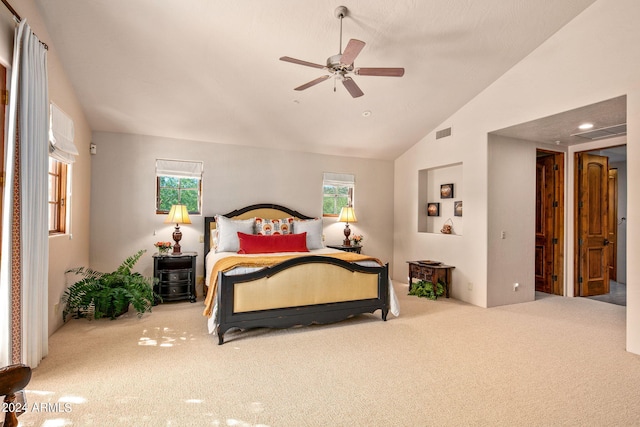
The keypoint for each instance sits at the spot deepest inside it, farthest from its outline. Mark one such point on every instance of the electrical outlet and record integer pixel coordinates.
(202, 238)
(470, 286)
(56, 308)
(503, 234)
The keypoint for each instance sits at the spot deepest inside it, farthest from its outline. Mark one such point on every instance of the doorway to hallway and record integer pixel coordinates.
(600, 243)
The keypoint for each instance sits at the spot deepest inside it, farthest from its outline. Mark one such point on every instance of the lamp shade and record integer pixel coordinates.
(178, 215)
(347, 214)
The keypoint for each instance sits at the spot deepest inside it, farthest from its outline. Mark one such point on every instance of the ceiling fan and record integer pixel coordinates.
(340, 66)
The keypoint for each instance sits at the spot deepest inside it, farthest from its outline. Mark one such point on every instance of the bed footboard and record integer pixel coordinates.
(301, 291)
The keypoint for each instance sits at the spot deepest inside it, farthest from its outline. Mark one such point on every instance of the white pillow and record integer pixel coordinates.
(313, 228)
(228, 232)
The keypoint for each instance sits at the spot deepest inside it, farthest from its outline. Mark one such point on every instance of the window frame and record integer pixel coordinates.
(59, 171)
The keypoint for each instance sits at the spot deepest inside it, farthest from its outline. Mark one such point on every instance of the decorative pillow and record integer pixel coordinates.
(268, 227)
(227, 231)
(313, 228)
(256, 244)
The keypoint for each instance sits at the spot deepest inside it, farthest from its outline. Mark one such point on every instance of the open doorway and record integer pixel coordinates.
(562, 133)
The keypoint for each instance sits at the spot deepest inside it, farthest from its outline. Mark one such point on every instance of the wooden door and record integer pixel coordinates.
(613, 224)
(549, 250)
(544, 224)
(592, 180)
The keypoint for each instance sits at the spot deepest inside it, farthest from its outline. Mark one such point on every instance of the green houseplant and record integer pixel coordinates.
(99, 295)
(427, 289)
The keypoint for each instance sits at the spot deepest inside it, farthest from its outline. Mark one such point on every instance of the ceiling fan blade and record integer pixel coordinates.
(351, 51)
(301, 62)
(312, 83)
(385, 72)
(352, 87)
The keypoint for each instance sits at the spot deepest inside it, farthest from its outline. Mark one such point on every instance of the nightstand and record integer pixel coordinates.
(352, 248)
(176, 276)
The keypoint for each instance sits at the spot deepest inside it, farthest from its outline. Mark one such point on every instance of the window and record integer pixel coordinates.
(62, 152)
(178, 182)
(57, 196)
(337, 193)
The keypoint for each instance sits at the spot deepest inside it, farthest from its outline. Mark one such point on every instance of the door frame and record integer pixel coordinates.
(613, 223)
(4, 94)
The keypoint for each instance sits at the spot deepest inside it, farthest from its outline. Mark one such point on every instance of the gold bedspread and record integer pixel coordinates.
(231, 262)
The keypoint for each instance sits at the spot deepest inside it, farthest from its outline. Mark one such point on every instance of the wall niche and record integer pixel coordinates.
(440, 197)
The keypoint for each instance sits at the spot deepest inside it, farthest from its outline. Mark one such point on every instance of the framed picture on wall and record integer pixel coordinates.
(433, 209)
(457, 208)
(446, 191)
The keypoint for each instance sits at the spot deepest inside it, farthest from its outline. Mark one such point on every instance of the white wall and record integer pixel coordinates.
(559, 76)
(123, 218)
(64, 252)
(511, 221)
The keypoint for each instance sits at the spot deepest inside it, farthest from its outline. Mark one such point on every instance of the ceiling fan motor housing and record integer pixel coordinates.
(335, 66)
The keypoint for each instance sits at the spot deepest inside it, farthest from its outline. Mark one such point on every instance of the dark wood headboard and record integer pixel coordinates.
(263, 210)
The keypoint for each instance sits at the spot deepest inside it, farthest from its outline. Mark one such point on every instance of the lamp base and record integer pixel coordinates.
(347, 232)
(177, 236)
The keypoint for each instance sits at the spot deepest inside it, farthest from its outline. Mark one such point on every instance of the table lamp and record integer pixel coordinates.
(178, 215)
(347, 214)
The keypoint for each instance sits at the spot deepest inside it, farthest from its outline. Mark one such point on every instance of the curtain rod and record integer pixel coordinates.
(17, 17)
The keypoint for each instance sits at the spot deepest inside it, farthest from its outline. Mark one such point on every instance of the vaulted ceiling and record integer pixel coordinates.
(209, 70)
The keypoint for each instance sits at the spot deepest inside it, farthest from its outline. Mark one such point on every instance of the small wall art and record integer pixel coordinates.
(446, 191)
(433, 209)
(457, 208)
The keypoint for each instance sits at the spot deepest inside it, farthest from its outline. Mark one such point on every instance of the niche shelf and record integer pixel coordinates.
(429, 186)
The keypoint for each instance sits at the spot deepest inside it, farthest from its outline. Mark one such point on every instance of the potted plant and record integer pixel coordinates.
(99, 295)
(427, 289)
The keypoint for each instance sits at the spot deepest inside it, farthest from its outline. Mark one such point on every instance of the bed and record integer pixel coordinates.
(285, 286)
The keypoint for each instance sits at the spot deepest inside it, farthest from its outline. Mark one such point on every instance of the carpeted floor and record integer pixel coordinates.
(555, 361)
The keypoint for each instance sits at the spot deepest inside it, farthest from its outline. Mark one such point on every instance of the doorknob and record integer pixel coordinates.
(606, 242)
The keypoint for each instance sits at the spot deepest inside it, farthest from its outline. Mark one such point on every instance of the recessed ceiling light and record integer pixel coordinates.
(366, 113)
(585, 126)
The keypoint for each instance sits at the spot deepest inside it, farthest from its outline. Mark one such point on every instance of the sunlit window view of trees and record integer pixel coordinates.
(335, 198)
(173, 190)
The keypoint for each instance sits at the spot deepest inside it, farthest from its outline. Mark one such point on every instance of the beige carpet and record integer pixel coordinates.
(555, 361)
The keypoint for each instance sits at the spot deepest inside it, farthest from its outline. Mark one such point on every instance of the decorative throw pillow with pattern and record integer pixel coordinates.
(271, 227)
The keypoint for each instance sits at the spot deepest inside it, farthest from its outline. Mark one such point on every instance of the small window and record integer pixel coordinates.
(178, 182)
(62, 153)
(57, 196)
(338, 192)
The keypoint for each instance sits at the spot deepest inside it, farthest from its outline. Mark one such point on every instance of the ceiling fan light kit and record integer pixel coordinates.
(340, 66)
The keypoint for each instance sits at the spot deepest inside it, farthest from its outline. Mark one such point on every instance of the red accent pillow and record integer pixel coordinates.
(257, 244)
